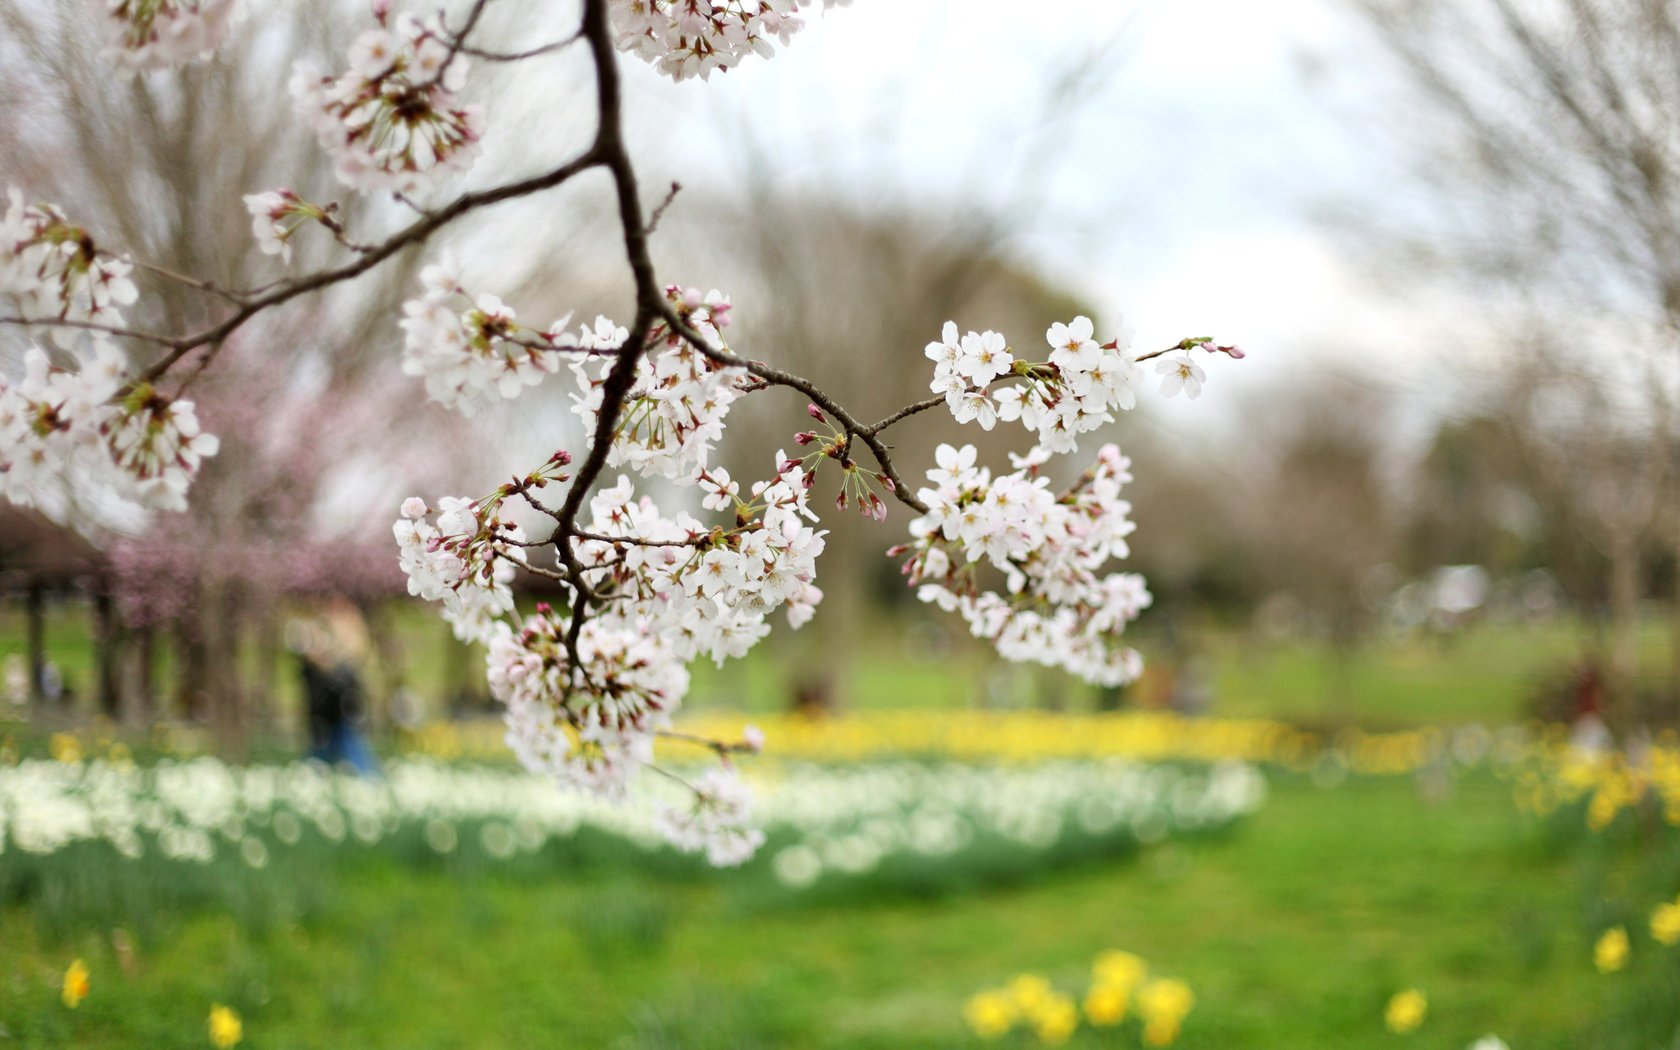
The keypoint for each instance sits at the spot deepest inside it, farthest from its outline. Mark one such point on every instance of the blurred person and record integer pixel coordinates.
(16, 679)
(330, 647)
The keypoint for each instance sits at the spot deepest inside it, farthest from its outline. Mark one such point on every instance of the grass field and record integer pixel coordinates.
(1293, 930)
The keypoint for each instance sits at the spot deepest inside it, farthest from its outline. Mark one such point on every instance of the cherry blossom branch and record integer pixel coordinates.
(636, 541)
(609, 151)
(520, 56)
(724, 748)
(659, 212)
(778, 377)
(210, 287)
(89, 326)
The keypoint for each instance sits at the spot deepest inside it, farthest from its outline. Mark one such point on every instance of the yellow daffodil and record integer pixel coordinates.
(65, 748)
(1406, 1010)
(1029, 992)
(1106, 1004)
(1118, 969)
(1611, 952)
(1162, 1031)
(1165, 998)
(990, 1014)
(226, 1029)
(75, 984)
(1665, 923)
(1057, 1019)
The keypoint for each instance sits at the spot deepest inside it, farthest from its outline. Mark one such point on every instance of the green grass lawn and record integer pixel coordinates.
(1293, 931)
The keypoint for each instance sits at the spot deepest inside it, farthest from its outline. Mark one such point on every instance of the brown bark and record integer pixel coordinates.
(144, 702)
(1623, 553)
(107, 649)
(34, 611)
(191, 672)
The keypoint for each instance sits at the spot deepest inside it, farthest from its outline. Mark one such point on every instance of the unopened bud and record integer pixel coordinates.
(805, 437)
(815, 413)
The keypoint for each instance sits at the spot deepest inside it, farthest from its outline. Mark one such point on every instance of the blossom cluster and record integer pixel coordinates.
(277, 214)
(585, 709)
(685, 38)
(710, 589)
(471, 349)
(393, 120)
(586, 687)
(1056, 608)
(83, 436)
(717, 821)
(72, 438)
(155, 34)
(55, 271)
(1072, 393)
(676, 409)
(467, 560)
(597, 735)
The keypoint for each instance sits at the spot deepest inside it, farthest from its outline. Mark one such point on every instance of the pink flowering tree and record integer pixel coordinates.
(649, 586)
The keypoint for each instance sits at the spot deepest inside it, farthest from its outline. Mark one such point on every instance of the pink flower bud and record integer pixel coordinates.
(753, 737)
(840, 500)
(815, 413)
(805, 437)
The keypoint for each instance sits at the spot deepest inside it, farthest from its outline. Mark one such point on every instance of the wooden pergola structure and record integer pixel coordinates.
(39, 558)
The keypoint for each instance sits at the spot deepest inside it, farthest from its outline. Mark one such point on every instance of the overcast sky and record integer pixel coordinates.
(1179, 192)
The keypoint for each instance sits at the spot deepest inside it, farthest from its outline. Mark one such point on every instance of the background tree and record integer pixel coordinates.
(1552, 137)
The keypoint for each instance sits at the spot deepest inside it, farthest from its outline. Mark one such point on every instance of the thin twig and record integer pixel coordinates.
(659, 212)
(520, 56)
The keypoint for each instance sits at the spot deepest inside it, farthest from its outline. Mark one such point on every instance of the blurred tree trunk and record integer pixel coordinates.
(191, 671)
(107, 648)
(1622, 550)
(264, 688)
(1674, 622)
(227, 702)
(143, 704)
(34, 613)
